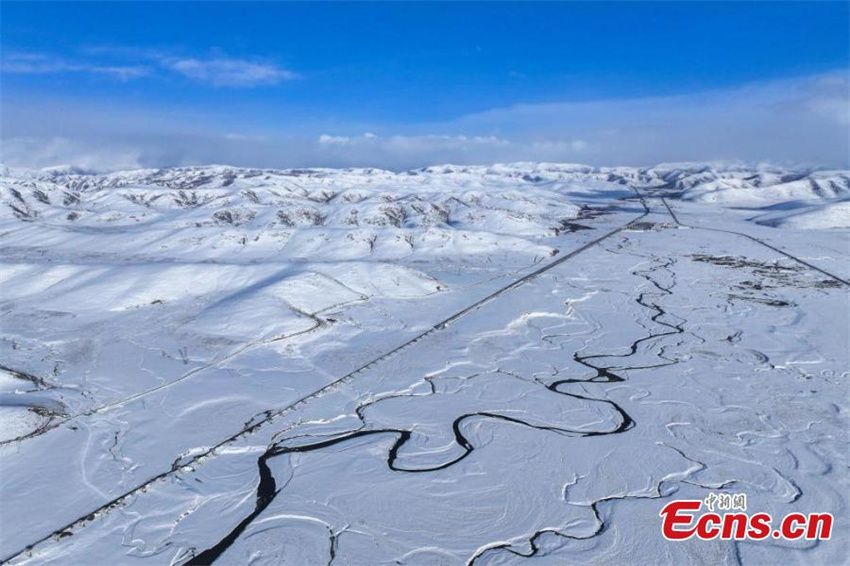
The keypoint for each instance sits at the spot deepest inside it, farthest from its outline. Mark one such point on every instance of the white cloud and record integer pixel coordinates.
(39, 64)
(829, 96)
(41, 152)
(800, 120)
(407, 151)
(229, 72)
(325, 139)
(219, 72)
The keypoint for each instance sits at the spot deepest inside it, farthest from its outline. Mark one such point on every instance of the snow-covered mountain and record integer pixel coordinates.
(451, 365)
(519, 199)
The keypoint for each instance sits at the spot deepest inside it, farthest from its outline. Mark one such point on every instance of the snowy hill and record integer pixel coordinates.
(522, 199)
(450, 365)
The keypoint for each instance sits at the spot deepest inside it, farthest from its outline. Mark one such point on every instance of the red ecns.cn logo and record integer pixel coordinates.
(681, 522)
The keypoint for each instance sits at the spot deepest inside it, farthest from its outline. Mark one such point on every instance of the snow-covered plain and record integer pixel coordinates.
(452, 365)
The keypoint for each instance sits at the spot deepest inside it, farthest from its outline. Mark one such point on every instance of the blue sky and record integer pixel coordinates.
(114, 84)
